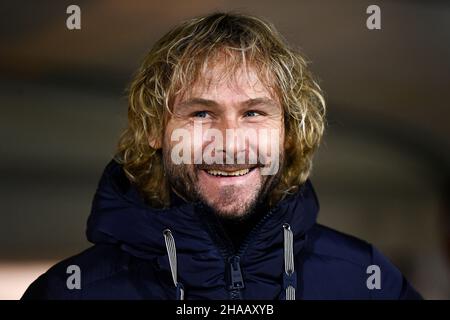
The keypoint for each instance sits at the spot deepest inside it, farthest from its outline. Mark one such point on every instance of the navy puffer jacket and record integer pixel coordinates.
(182, 253)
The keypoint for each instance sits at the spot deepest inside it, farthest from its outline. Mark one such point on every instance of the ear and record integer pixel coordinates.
(155, 142)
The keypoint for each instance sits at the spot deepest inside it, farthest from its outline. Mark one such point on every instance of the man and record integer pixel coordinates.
(208, 196)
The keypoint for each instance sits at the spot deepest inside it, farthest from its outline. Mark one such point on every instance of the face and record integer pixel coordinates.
(228, 132)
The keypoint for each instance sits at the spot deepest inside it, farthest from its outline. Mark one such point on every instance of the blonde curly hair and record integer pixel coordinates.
(177, 60)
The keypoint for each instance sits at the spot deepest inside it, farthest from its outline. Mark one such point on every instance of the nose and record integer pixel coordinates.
(234, 144)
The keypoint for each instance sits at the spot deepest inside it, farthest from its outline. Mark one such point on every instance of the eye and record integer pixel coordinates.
(200, 114)
(251, 113)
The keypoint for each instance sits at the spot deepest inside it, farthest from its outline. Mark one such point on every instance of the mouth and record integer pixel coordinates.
(235, 173)
(222, 175)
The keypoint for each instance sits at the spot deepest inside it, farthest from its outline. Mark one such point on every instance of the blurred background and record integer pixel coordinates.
(382, 173)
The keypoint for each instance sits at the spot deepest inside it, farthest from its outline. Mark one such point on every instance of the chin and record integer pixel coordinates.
(237, 209)
(230, 213)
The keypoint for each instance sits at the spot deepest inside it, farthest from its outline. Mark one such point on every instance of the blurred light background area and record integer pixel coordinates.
(382, 173)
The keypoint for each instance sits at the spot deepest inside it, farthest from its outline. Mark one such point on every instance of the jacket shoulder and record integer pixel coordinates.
(338, 245)
(95, 264)
(353, 261)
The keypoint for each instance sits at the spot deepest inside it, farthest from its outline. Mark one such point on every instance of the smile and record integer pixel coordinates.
(236, 173)
(219, 176)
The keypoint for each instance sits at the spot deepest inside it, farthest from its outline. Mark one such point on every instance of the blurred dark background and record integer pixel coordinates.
(382, 173)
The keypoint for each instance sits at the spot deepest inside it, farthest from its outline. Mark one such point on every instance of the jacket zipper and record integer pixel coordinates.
(232, 258)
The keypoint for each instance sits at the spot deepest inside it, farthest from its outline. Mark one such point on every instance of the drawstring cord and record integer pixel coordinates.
(172, 254)
(289, 276)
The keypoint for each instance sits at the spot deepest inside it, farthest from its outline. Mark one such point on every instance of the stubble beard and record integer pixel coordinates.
(183, 180)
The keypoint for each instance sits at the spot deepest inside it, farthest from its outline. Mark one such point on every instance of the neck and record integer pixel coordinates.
(238, 229)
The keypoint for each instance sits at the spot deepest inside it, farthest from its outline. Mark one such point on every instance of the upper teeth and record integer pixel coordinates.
(228, 173)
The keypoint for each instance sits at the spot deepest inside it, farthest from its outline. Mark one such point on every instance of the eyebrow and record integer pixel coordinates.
(212, 103)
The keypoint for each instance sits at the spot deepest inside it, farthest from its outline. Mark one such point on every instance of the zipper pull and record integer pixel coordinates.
(237, 282)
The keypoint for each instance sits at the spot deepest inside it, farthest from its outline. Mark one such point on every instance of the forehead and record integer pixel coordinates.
(219, 81)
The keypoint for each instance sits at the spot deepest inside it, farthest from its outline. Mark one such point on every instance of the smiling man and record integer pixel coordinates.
(208, 196)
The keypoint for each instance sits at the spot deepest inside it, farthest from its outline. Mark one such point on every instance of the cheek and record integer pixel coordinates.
(166, 136)
(178, 142)
(271, 137)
